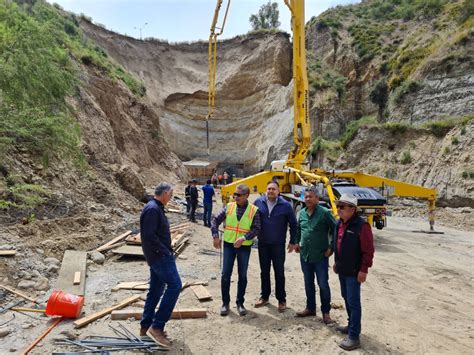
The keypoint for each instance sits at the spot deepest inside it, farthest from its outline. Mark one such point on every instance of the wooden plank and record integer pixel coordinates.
(178, 239)
(181, 247)
(73, 261)
(77, 278)
(113, 246)
(134, 239)
(7, 252)
(113, 241)
(135, 250)
(18, 293)
(188, 313)
(89, 319)
(132, 285)
(201, 293)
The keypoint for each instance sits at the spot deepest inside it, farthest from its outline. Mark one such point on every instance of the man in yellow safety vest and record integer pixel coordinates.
(242, 224)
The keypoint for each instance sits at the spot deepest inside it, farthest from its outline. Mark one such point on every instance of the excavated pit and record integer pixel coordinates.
(253, 120)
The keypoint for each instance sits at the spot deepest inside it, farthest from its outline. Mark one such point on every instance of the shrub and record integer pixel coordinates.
(395, 127)
(455, 140)
(406, 158)
(468, 174)
(353, 127)
(440, 128)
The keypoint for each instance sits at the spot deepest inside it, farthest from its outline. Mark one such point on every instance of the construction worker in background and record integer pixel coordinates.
(276, 214)
(314, 243)
(225, 178)
(215, 180)
(242, 224)
(193, 199)
(156, 245)
(188, 197)
(208, 194)
(353, 255)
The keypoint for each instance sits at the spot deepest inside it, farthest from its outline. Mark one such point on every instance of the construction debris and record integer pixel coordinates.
(113, 241)
(7, 252)
(89, 319)
(73, 261)
(18, 293)
(201, 293)
(124, 341)
(190, 313)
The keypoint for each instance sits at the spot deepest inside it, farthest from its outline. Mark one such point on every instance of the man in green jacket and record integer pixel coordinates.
(314, 243)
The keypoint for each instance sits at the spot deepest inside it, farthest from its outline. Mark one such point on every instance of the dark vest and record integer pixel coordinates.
(348, 261)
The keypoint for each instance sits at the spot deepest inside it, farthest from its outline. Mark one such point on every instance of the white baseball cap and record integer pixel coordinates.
(347, 199)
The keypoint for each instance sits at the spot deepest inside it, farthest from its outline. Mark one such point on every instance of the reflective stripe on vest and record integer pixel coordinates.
(234, 228)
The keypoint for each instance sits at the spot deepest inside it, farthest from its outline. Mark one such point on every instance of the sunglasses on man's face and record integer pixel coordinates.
(342, 207)
(237, 194)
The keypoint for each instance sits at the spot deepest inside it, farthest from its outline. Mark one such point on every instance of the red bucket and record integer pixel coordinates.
(64, 304)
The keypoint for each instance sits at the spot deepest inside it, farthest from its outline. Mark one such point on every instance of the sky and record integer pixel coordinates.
(182, 20)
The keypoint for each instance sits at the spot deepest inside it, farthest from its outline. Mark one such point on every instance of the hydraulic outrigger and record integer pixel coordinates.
(295, 170)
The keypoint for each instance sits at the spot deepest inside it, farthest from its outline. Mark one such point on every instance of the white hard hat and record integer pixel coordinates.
(347, 199)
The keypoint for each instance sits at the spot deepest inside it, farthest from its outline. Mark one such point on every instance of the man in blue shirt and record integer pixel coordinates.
(156, 245)
(208, 192)
(276, 214)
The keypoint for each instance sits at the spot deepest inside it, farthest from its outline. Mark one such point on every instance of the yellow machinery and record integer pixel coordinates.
(213, 64)
(295, 171)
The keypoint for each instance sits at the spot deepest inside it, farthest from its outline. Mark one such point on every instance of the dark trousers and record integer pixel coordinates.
(188, 206)
(192, 213)
(272, 254)
(350, 291)
(207, 214)
(163, 273)
(319, 268)
(230, 254)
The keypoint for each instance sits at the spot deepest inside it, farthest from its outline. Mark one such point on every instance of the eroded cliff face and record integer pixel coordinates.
(253, 120)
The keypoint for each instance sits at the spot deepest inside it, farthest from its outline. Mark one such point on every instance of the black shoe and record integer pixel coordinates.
(349, 344)
(224, 310)
(344, 329)
(241, 309)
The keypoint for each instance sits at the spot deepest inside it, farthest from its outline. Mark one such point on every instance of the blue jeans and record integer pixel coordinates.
(319, 268)
(230, 254)
(350, 291)
(207, 214)
(163, 273)
(272, 254)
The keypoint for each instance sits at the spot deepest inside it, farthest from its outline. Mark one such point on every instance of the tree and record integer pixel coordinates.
(266, 18)
(379, 96)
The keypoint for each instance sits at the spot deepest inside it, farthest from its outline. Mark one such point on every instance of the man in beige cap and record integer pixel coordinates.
(353, 254)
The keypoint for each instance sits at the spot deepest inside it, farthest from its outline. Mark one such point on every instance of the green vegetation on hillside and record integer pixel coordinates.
(40, 50)
(37, 42)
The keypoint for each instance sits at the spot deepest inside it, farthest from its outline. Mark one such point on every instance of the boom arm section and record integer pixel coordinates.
(392, 188)
(301, 128)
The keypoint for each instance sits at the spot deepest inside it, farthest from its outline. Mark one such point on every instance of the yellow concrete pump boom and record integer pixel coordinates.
(212, 63)
(301, 128)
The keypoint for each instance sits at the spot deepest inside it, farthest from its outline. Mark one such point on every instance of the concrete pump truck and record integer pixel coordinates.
(295, 173)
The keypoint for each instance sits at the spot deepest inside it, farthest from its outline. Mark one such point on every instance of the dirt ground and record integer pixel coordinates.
(417, 299)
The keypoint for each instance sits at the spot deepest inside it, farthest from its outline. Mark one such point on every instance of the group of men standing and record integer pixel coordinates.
(191, 194)
(316, 235)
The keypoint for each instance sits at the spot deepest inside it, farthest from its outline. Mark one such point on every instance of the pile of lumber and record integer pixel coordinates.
(130, 244)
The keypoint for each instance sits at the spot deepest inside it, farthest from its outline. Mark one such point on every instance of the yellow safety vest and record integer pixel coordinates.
(234, 228)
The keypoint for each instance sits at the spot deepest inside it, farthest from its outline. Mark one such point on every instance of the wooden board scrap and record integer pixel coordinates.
(89, 319)
(134, 239)
(113, 241)
(186, 313)
(18, 293)
(7, 252)
(132, 285)
(73, 261)
(77, 278)
(134, 250)
(201, 293)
